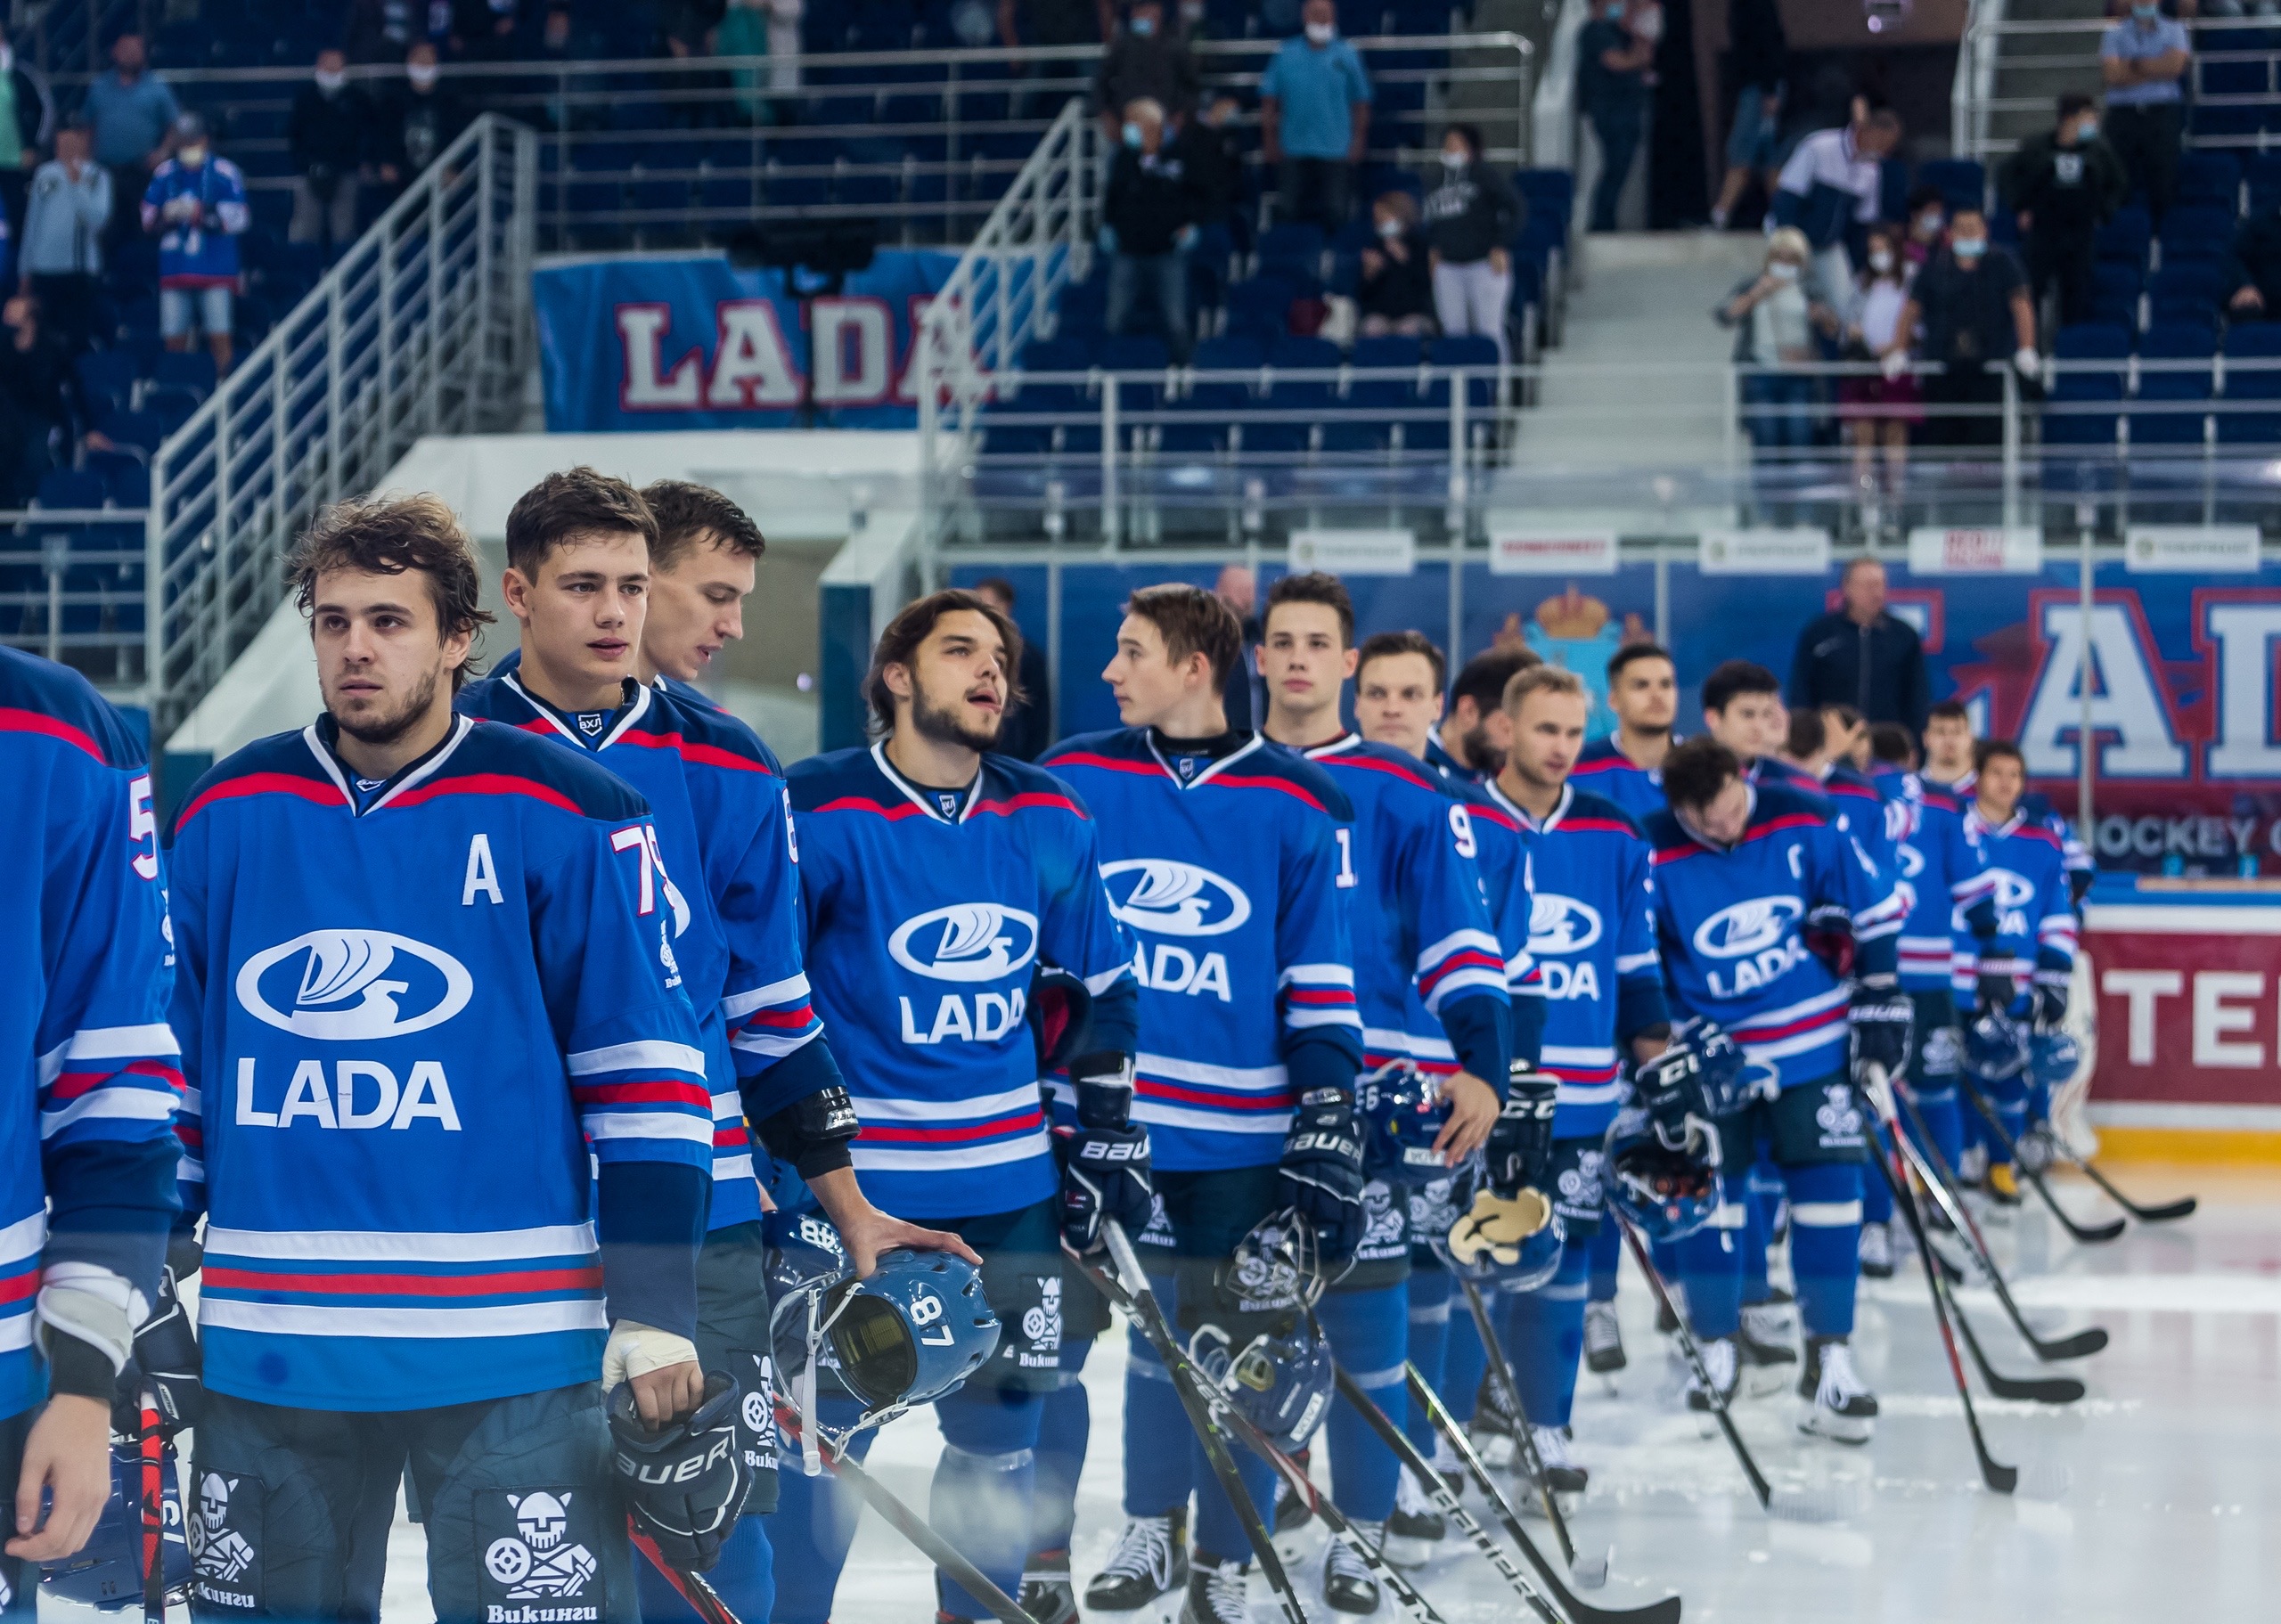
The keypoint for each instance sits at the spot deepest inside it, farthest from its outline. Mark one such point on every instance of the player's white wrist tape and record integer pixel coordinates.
(91, 1304)
(636, 1350)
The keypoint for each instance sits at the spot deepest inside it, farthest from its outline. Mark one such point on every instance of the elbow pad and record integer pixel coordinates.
(812, 1135)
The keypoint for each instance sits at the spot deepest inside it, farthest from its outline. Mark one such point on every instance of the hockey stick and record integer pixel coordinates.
(2089, 1235)
(1524, 1439)
(703, 1600)
(151, 1442)
(1791, 1504)
(905, 1522)
(2043, 1389)
(1666, 1611)
(2001, 1478)
(2182, 1207)
(1183, 1370)
(1129, 1288)
(1940, 1185)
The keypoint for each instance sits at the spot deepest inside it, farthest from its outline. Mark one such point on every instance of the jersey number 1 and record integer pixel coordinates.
(1346, 858)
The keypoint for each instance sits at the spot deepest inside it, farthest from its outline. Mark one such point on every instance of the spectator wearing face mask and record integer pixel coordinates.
(2064, 186)
(196, 204)
(331, 134)
(1471, 216)
(1144, 60)
(1973, 304)
(1879, 410)
(1314, 114)
(1396, 291)
(2143, 58)
(1612, 62)
(62, 256)
(1148, 225)
(419, 118)
(1832, 184)
(1776, 317)
(1928, 226)
(383, 30)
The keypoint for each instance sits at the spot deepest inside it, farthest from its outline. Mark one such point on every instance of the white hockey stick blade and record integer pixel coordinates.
(1834, 1502)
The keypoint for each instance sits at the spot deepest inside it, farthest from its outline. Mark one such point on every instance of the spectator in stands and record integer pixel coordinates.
(60, 256)
(1028, 726)
(1776, 315)
(331, 134)
(197, 205)
(27, 121)
(1238, 587)
(1612, 65)
(1053, 22)
(1214, 163)
(1879, 410)
(1859, 655)
(1396, 292)
(1472, 215)
(1314, 114)
(133, 116)
(484, 30)
(2143, 58)
(744, 32)
(1148, 225)
(39, 409)
(1145, 59)
(1759, 53)
(687, 26)
(2252, 268)
(1834, 182)
(1928, 227)
(1973, 302)
(383, 30)
(419, 118)
(2063, 186)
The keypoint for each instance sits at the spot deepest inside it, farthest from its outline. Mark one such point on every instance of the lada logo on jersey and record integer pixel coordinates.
(1743, 928)
(966, 941)
(348, 986)
(1174, 899)
(2012, 892)
(1561, 924)
(1912, 861)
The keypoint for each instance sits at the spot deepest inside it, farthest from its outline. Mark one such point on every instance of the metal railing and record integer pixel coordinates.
(422, 327)
(1994, 46)
(74, 592)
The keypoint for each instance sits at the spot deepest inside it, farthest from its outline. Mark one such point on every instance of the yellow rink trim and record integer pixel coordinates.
(2199, 1147)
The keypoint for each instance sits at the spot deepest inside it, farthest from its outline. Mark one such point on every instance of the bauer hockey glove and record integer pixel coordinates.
(1322, 1172)
(1881, 1015)
(1104, 1158)
(684, 1486)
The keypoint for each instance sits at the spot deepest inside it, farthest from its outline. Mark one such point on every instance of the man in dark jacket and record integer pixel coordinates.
(1858, 654)
(2253, 269)
(332, 132)
(2065, 186)
(418, 121)
(1972, 300)
(1028, 726)
(1148, 225)
(1145, 58)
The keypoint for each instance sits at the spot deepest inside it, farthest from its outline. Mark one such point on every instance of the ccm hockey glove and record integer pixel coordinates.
(1105, 1158)
(1322, 1172)
(167, 1361)
(684, 1486)
(1520, 1146)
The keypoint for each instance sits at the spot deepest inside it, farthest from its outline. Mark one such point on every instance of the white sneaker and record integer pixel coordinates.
(1839, 1405)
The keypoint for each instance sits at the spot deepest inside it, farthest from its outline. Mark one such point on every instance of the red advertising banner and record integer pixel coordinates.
(2190, 1004)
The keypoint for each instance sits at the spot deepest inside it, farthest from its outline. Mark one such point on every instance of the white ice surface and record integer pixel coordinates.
(2156, 1499)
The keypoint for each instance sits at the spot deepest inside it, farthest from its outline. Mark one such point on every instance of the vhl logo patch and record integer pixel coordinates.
(1185, 765)
(590, 722)
(948, 803)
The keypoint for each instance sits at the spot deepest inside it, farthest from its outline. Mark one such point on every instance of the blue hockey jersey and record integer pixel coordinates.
(1237, 876)
(927, 913)
(203, 211)
(86, 1175)
(409, 1032)
(1421, 924)
(1438, 757)
(2035, 916)
(1941, 870)
(1603, 771)
(1592, 935)
(1502, 861)
(724, 877)
(1731, 926)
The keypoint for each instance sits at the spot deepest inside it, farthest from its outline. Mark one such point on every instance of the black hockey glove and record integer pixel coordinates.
(1519, 1151)
(2050, 1005)
(686, 1486)
(166, 1360)
(1322, 1172)
(1882, 1015)
(1991, 992)
(1105, 1158)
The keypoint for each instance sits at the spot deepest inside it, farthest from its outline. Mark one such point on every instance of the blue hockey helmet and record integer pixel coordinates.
(1273, 1269)
(107, 1571)
(1667, 1192)
(1539, 1253)
(1539, 1259)
(1995, 1046)
(1402, 1113)
(2054, 1058)
(1280, 1381)
(914, 1330)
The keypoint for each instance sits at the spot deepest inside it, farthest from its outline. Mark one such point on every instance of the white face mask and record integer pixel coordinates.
(1880, 261)
(1782, 270)
(1320, 33)
(7, 59)
(331, 83)
(422, 74)
(1453, 161)
(191, 156)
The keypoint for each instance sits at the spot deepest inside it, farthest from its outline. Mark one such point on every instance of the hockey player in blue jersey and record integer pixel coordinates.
(702, 567)
(425, 990)
(578, 583)
(1233, 862)
(937, 879)
(1778, 928)
(1948, 745)
(1592, 936)
(1423, 937)
(1626, 766)
(1469, 743)
(2032, 952)
(88, 1179)
(1946, 877)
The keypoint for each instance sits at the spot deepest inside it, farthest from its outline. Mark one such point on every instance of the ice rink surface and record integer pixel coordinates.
(2157, 1497)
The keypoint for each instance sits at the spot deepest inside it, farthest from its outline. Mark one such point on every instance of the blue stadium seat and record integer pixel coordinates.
(2172, 342)
(1392, 350)
(1056, 354)
(2184, 291)
(1291, 354)
(1473, 350)
(2264, 173)
(190, 369)
(126, 479)
(1261, 305)
(2253, 342)
(1228, 353)
(107, 378)
(2083, 409)
(2196, 230)
(2125, 237)
(68, 487)
(2091, 341)
(2213, 179)
(1962, 181)
(2115, 288)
